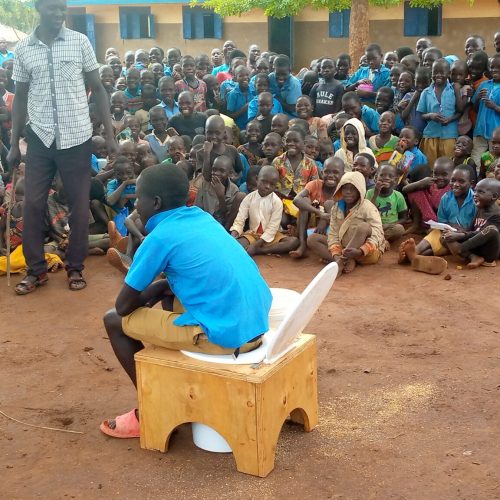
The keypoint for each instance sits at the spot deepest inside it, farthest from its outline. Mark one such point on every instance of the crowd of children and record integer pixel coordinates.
(337, 160)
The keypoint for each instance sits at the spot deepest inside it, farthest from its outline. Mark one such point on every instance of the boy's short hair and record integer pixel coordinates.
(281, 61)
(168, 182)
(344, 57)
(120, 161)
(148, 87)
(212, 112)
(442, 61)
(165, 79)
(423, 71)
(374, 47)
(415, 130)
(253, 171)
(433, 50)
(385, 164)
(350, 95)
(480, 57)
(298, 129)
(158, 109)
(466, 168)
(261, 76)
(198, 139)
(237, 54)
(187, 58)
(386, 90)
(403, 52)
(371, 159)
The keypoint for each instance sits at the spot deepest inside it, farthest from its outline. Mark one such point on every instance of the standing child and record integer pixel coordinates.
(166, 89)
(409, 102)
(390, 203)
(315, 202)
(118, 103)
(343, 68)
(326, 96)
(304, 111)
(190, 83)
(261, 87)
(263, 210)
(149, 101)
(158, 138)
(264, 111)
(462, 153)
(188, 121)
(441, 106)
(279, 124)
(133, 90)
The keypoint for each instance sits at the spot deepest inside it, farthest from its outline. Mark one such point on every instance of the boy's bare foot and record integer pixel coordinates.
(299, 253)
(349, 266)
(475, 261)
(407, 251)
(96, 251)
(429, 265)
(291, 230)
(122, 245)
(114, 236)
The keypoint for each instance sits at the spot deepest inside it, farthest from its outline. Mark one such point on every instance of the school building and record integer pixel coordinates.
(133, 24)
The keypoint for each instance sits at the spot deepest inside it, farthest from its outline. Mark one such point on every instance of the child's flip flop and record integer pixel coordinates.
(126, 426)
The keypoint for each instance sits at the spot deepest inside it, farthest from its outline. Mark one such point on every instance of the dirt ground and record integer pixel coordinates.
(409, 385)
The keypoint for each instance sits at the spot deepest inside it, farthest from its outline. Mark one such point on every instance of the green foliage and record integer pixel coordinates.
(282, 8)
(18, 14)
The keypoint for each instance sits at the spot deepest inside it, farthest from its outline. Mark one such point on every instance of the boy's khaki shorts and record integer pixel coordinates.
(252, 237)
(156, 326)
(371, 258)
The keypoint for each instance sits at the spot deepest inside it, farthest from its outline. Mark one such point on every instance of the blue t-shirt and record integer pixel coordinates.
(379, 78)
(220, 69)
(170, 111)
(216, 281)
(253, 107)
(450, 213)
(370, 117)
(429, 103)
(487, 119)
(236, 99)
(289, 92)
(113, 186)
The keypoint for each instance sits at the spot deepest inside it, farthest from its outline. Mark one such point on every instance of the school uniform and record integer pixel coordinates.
(236, 99)
(379, 78)
(253, 107)
(289, 92)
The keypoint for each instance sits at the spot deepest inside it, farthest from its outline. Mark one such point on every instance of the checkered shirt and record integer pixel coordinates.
(57, 102)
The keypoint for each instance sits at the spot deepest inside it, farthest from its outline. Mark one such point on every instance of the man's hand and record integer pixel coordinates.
(112, 146)
(158, 291)
(352, 253)
(14, 157)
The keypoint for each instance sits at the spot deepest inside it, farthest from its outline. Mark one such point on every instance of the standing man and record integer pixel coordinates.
(50, 67)
(4, 52)
(253, 55)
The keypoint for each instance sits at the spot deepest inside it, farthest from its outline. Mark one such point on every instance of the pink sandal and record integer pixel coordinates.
(126, 426)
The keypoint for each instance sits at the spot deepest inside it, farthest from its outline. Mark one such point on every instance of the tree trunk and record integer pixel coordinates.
(359, 30)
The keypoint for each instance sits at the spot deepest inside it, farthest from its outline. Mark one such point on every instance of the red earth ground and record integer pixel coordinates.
(409, 385)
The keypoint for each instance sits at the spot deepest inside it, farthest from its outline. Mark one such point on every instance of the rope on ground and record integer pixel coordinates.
(39, 426)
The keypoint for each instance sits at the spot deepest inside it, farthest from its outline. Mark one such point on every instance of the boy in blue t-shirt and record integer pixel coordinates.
(196, 254)
(239, 97)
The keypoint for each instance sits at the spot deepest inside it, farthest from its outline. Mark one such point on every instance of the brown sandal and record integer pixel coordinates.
(28, 284)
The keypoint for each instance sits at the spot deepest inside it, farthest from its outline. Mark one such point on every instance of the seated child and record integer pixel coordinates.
(196, 256)
(251, 183)
(212, 97)
(295, 170)
(149, 101)
(238, 98)
(216, 194)
(263, 210)
(409, 102)
(325, 150)
(14, 232)
(481, 245)
(121, 192)
(129, 150)
(384, 143)
(424, 194)
(252, 150)
(264, 112)
(365, 164)
(188, 121)
(262, 86)
(58, 218)
(343, 68)
(166, 89)
(131, 132)
(390, 203)
(311, 149)
(158, 138)
(304, 110)
(272, 146)
(462, 153)
(352, 140)
(315, 202)
(176, 150)
(351, 104)
(279, 124)
(491, 158)
(356, 235)
(191, 84)
(457, 209)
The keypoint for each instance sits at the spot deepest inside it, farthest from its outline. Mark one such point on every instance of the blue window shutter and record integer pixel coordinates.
(217, 26)
(186, 23)
(346, 18)
(136, 25)
(199, 30)
(90, 26)
(338, 23)
(416, 20)
(123, 24)
(151, 26)
(440, 20)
